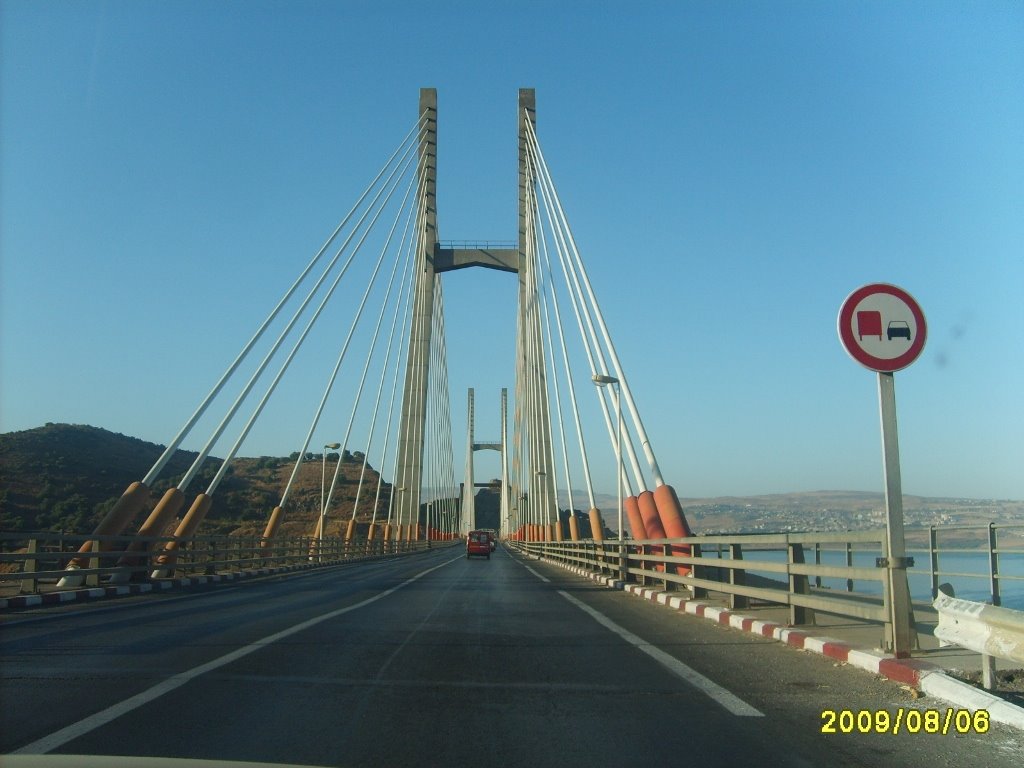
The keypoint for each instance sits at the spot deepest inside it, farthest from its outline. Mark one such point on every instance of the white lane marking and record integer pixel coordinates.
(728, 700)
(111, 713)
(542, 578)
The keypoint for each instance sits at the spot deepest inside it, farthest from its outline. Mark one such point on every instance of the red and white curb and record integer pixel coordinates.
(923, 675)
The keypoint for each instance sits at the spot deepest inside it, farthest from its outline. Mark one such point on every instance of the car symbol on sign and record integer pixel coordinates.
(897, 328)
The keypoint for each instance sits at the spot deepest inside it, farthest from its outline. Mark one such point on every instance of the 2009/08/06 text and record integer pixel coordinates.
(929, 721)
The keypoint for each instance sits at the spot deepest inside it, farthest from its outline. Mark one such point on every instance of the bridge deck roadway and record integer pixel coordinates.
(439, 660)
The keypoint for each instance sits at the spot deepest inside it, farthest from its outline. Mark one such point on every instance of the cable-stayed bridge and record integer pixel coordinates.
(390, 646)
(402, 377)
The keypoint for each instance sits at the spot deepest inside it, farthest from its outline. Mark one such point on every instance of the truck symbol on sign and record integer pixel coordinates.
(897, 328)
(869, 323)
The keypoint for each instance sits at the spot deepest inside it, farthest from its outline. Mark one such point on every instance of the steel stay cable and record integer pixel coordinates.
(402, 342)
(415, 325)
(438, 411)
(422, 422)
(438, 420)
(536, 418)
(550, 505)
(429, 423)
(627, 484)
(418, 405)
(443, 415)
(447, 421)
(413, 301)
(558, 405)
(295, 348)
(570, 385)
(526, 435)
(450, 441)
(417, 413)
(288, 360)
(518, 425)
(589, 337)
(586, 340)
(338, 363)
(161, 462)
(406, 330)
(190, 474)
(623, 383)
(355, 322)
(403, 247)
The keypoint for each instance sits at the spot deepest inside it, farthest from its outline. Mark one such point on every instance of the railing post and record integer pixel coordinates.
(737, 578)
(849, 564)
(668, 584)
(817, 562)
(993, 564)
(933, 560)
(988, 672)
(31, 565)
(798, 585)
(93, 579)
(698, 573)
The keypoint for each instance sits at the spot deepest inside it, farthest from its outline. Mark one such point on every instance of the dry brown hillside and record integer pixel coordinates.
(66, 476)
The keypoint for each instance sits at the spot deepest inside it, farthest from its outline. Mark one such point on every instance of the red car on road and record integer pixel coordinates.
(478, 543)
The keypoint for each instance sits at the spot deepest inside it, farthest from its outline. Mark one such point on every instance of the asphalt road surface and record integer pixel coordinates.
(434, 659)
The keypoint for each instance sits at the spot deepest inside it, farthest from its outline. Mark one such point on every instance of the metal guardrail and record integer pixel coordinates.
(731, 564)
(37, 561)
(986, 629)
(990, 539)
(478, 244)
(790, 569)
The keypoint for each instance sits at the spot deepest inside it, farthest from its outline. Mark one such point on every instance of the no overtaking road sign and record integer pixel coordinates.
(882, 327)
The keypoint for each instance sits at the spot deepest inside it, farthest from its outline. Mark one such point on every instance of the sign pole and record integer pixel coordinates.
(883, 328)
(900, 628)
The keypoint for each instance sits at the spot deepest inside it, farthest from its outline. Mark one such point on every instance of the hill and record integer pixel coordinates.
(842, 511)
(67, 476)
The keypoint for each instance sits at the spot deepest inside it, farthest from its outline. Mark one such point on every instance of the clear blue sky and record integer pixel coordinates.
(732, 172)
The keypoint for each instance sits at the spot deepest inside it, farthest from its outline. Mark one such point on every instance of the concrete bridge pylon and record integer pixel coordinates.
(469, 521)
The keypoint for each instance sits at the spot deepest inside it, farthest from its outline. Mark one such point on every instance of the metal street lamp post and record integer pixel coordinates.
(398, 525)
(323, 491)
(541, 474)
(601, 381)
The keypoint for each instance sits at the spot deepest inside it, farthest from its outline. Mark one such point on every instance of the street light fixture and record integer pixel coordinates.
(601, 381)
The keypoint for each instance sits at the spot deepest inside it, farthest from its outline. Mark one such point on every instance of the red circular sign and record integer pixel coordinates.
(882, 327)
